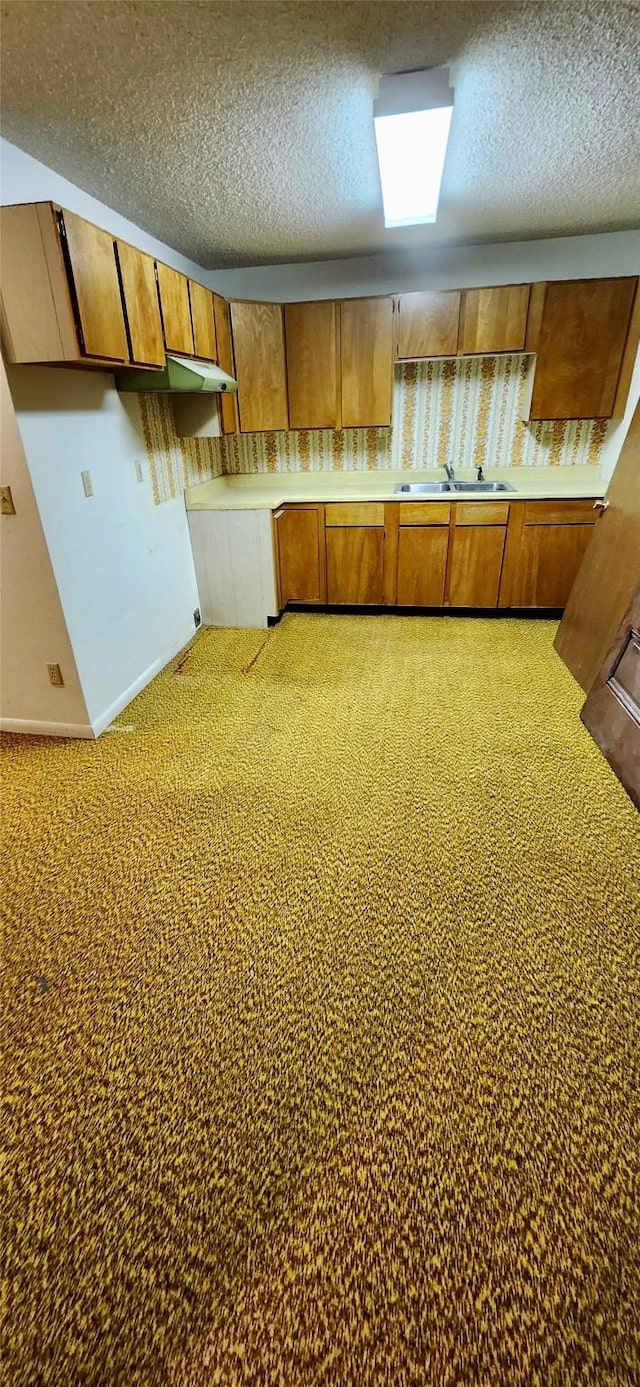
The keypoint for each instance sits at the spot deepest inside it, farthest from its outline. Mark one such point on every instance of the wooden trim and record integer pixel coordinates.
(424, 512)
(578, 512)
(276, 556)
(368, 513)
(628, 359)
(534, 316)
(322, 543)
(511, 556)
(481, 512)
(390, 553)
(447, 576)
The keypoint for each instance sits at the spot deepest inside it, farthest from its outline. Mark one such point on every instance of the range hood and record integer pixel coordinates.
(181, 376)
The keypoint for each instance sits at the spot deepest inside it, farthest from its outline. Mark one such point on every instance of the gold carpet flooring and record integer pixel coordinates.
(321, 1024)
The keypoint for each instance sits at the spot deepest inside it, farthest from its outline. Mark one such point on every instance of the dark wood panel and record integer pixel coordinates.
(299, 541)
(428, 323)
(355, 565)
(422, 565)
(475, 564)
(548, 561)
(582, 338)
(612, 710)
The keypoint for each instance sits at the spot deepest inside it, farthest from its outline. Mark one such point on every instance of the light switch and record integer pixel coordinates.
(87, 483)
(139, 472)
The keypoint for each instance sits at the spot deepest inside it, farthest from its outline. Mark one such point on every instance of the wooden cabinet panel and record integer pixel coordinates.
(424, 513)
(548, 560)
(258, 347)
(494, 320)
(581, 342)
(475, 565)
(355, 513)
(176, 310)
(355, 565)
(428, 324)
(311, 337)
(300, 537)
(366, 347)
(94, 272)
(578, 512)
(422, 565)
(202, 320)
(482, 513)
(228, 403)
(138, 274)
(38, 322)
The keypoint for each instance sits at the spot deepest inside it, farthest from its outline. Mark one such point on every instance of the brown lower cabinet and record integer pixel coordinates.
(467, 554)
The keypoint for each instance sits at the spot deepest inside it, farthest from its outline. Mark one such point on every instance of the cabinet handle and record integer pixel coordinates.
(600, 505)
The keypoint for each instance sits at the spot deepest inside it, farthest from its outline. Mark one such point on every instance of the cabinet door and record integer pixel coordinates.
(94, 272)
(258, 348)
(366, 347)
(581, 341)
(550, 556)
(428, 324)
(299, 536)
(355, 564)
(229, 403)
(204, 331)
(311, 335)
(176, 310)
(138, 274)
(475, 565)
(495, 320)
(422, 565)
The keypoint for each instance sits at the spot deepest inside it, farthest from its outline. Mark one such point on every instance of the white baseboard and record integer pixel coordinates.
(103, 720)
(32, 728)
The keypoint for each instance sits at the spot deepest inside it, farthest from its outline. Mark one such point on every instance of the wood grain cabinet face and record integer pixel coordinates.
(138, 274)
(229, 403)
(202, 319)
(494, 320)
(422, 565)
(299, 541)
(92, 263)
(176, 310)
(546, 543)
(581, 342)
(355, 565)
(258, 347)
(476, 550)
(366, 349)
(311, 334)
(428, 324)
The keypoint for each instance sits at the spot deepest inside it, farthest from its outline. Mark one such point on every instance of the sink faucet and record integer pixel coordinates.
(449, 471)
(480, 473)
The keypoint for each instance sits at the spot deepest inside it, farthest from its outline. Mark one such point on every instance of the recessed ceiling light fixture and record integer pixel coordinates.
(412, 116)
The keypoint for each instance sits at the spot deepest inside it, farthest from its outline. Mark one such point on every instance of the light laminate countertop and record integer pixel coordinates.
(267, 491)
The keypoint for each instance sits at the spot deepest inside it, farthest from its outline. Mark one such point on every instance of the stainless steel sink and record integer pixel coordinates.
(421, 488)
(482, 486)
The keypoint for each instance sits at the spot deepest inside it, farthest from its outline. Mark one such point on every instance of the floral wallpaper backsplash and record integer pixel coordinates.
(174, 462)
(467, 410)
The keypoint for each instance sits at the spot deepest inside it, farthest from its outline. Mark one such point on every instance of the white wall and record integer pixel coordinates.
(453, 267)
(23, 179)
(123, 565)
(33, 630)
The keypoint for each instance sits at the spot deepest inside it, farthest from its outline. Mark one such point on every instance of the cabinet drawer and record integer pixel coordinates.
(355, 513)
(424, 513)
(481, 513)
(559, 513)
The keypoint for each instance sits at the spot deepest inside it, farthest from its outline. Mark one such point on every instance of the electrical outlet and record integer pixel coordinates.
(87, 483)
(139, 472)
(55, 676)
(196, 617)
(8, 507)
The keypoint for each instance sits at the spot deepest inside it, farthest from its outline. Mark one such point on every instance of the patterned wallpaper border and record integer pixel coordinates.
(469, 410)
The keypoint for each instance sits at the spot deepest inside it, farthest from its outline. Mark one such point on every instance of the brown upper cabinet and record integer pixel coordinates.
(228, 403)
(311, 336)
(494, 320)
(173, 289)
(258, 348)
(61, 300)
(366, 348)
(202, 319)
(138, 276)
(580, 341)
(428, 324)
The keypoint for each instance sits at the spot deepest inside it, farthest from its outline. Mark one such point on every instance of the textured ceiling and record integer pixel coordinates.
(242, 133)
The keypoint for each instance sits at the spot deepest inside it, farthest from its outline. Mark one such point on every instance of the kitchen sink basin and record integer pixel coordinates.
(439, 488)
(483, 486)
(421, 488)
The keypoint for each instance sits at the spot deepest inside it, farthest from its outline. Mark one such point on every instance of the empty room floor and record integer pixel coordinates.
(321, 1023)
